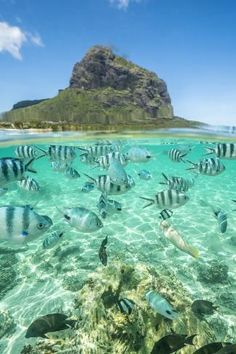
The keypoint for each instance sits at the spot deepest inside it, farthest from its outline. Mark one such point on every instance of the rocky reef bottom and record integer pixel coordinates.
(102, 328)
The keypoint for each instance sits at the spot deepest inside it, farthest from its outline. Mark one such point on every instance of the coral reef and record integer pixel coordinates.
(7, 324)
(215, 272)
(102, 328)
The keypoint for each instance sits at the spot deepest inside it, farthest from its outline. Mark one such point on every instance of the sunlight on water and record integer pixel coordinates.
(36, 281)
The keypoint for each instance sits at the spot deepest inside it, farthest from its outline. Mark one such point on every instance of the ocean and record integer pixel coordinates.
(194, 259)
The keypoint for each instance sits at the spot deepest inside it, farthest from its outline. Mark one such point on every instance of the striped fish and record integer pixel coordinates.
(12, 169)
(209, 166)
(125, 305)
(104, 184)
(88, 159)
(178, 183)
(22, 224)
(60, 152)
(52, 239)
(145, 175)
(177, 155)
(98, 150)
(105, 161)
(223, 150)
(168, 199)
(25, 152)
(29, 184)
(72, 173)
(107, 206)
(221, 217)
(165, 214)
(117, 173)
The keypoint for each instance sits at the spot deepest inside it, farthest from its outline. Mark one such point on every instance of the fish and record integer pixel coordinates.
(175, 238)
(203, 307)
(72, 173)
(102, 253)
(117, 173)
(223, 150)
(25, 152)
(160, 305)
(219, 214)
(98, 150)
(168, 199)
(178, 183)
(212, 348)
(228, 349)
(177, 155)
(87, 187)
(48, 323)
(82, 219)
(21, 224)
(125, 305)
(208, 167)
(104, 161)
(29, 184)
(60, 152)
(145, 175)
(13, 169)
(107, 206)
(59, 166)
(87, 159)
(165, 214)
(52, 239)
(171, 343)
(105, 185)
(138, 154)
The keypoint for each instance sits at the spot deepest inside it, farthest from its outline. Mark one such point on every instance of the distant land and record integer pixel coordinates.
(106, 92)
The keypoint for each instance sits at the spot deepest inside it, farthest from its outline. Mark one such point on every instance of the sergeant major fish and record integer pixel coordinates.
(25, 152)
(178, 183)
(60, 152)
(52, 239)
(219, 214)
(72, 173)
(223, 150)
(177, 155)
(105, 161)
(125, 305)
(117, 173)
(20, 224)
(209, 166)
(12, 169)
(176, 239)
(168, 199)
(165, 214)
(29, 184)
(105, 185)
(138, 154)
(107, 206)
(98, 150)
(84, 220)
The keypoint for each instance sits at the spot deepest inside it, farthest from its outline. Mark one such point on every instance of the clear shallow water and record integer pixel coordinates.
(47, 280)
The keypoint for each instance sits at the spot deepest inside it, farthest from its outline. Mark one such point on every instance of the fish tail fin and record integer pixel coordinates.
(82, 149)
(165, 176)
(151, 201)
(193, 251)
(42, 150)
(193, 165)
(93, 179)
(210, 150)
(28, 166)
(189, 340)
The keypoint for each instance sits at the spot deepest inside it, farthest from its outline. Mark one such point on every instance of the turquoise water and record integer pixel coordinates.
(44, 281)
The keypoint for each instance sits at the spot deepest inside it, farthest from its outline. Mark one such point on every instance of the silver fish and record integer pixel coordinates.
(177, 155)
(165, 214)
(70, 172)
(223, 150)
(138, 154)
(104, 161)
(98, 150)
(117, 173)
(29, 184)
(168, 199)
(60, 152)
(179, 183)
(88, 159)
(104, 184)
(12, 169)
(145, 175)
(82, 219)
(52, 239)
(20, 224)
(107, 206)
(209, 166)
(160, 305)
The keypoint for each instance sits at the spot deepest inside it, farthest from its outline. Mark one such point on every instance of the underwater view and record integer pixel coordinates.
(117, 243)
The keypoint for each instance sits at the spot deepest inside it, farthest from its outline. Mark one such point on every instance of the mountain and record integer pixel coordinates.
(104, 89)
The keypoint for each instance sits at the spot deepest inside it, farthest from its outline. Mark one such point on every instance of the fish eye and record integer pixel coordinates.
(40, 226)
(67, 217)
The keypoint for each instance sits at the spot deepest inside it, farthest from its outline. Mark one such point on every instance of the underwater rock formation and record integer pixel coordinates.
(7, 324)
(7, 273)
(102, 328)
(215, 272)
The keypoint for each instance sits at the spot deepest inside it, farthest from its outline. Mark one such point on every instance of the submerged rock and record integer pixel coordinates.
(7, 324)
(214, 272)
(8, 275)
(102, 328)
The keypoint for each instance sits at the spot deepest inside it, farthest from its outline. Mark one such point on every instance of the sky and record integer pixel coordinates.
(188, 43)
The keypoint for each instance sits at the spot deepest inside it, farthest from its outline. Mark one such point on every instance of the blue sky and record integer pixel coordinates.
(188, 43)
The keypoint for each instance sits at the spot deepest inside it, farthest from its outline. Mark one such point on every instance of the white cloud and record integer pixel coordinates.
(123, 4)
(13, 37)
